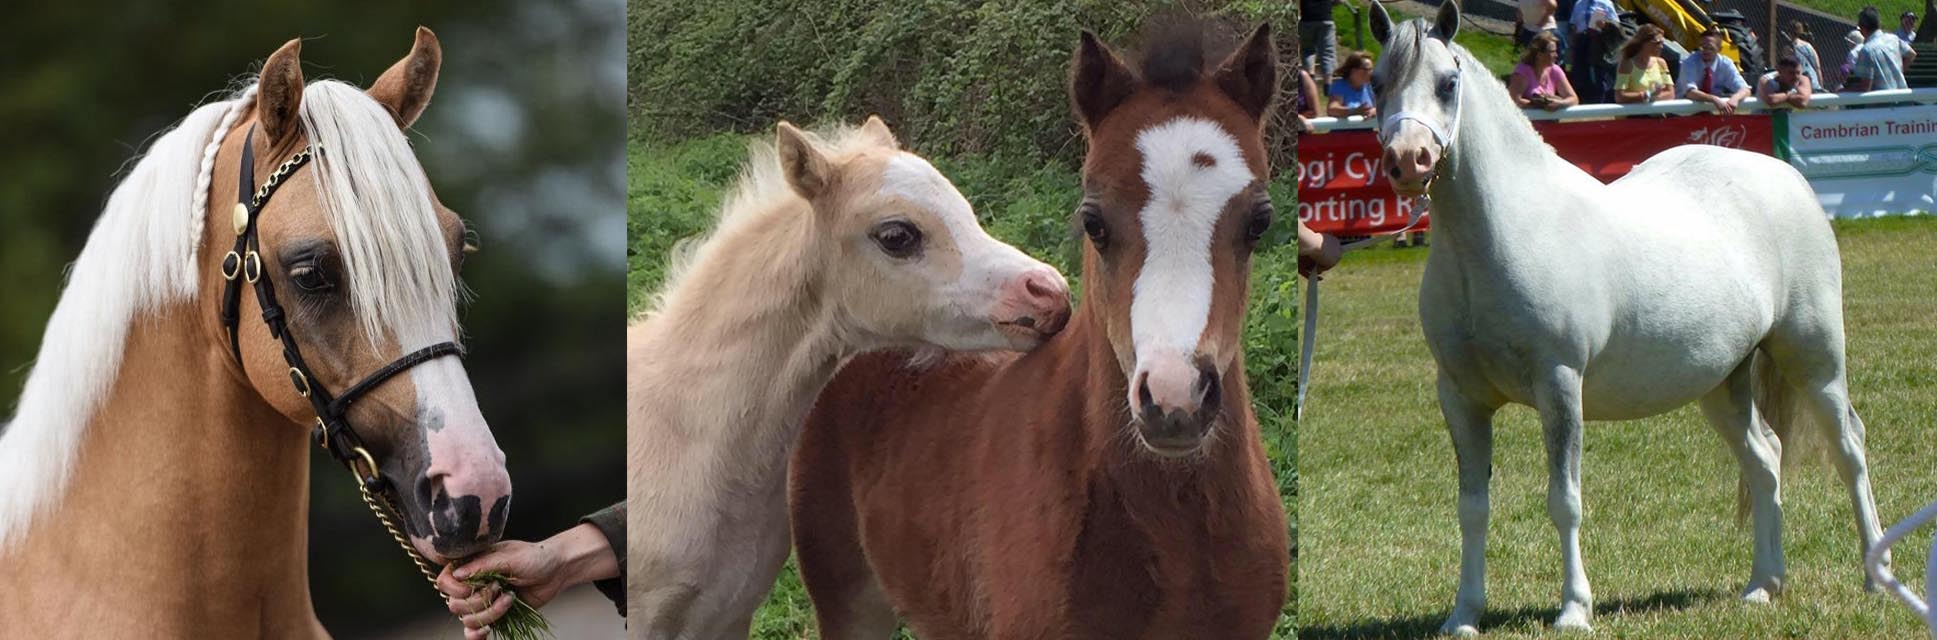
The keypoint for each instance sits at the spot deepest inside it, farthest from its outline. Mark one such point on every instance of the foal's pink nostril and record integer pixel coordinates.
(1425, 161)
(1039, 300)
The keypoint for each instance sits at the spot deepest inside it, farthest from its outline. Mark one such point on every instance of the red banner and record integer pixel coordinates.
(1342, 192)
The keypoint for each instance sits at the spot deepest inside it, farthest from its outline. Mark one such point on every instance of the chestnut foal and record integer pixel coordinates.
(1112, 483)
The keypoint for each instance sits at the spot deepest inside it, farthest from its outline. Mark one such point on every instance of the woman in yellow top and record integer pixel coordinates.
(1642, 75)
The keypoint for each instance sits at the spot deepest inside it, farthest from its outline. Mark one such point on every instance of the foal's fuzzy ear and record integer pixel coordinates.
(279, 92)
(807, 169)
(1381, 22)
(1446, 22)
(876, 131)
(1098, 81)
(1250, 75)
(406, 88)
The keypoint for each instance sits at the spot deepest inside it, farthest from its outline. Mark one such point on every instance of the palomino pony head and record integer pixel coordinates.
(1418, 90)
(906, 261)
(1174, 202)
(363, 259)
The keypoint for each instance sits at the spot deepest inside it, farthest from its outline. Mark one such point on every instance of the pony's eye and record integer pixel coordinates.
(310, 278)
(1260, 222)
(1447, 87)
(1093, 226)
(897, 238)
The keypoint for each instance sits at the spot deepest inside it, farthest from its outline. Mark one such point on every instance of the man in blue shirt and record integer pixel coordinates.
(1880, 61)
(1711, 77)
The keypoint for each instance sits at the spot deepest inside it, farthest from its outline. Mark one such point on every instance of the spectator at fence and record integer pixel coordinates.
(1304, 101)
(1537, 81)
(1594, 52)
(1854, 44)
(1711, 77)
(1786, 87)
(1535, 17)
(1880, 61)
(1317, 36)
(1351, 93)
(1644, 75)
(1805, 52)
(1907, 26)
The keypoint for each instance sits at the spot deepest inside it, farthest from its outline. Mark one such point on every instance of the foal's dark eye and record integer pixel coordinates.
(311, 278)
(897, 238)
(1448, 87)
(1260, 222)
(1093, 226)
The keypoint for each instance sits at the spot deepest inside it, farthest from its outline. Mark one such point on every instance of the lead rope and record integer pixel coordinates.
(1873, 563)
(423, 565)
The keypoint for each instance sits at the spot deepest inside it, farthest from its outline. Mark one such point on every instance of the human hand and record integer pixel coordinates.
(539, 571)
(476, 607)
(1317, 252)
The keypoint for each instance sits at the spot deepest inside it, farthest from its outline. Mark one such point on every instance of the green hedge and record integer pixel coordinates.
(951, 77)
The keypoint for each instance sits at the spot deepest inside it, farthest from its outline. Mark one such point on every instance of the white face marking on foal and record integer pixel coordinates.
(1171, 301)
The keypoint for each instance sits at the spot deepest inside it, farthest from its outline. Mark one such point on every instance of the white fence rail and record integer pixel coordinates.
(1673, 107)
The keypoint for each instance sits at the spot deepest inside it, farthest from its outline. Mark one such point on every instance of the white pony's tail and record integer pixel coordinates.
(1781, 420)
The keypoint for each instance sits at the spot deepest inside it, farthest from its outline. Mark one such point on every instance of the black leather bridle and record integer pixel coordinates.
(332, 431)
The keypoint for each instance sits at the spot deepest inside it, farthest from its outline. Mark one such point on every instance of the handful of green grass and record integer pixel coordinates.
(522, 622)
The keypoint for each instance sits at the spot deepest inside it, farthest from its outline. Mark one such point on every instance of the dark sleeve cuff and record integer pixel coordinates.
(610, 522)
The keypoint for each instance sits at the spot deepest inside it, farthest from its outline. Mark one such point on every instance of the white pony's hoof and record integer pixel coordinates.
(1762, 590)
(1756, 595)
(1573, 617)
(1464, 623)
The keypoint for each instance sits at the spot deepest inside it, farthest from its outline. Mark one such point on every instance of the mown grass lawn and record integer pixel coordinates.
(674, 191)
(1663, 552)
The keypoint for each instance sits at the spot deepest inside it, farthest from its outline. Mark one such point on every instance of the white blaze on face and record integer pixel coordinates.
(987, 264)
(1171, 301)
(463, 453)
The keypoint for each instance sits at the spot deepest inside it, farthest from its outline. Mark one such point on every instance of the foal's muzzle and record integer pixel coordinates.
(1176, 407)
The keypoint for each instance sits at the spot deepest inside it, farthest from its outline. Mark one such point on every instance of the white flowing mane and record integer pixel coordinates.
(144, 254)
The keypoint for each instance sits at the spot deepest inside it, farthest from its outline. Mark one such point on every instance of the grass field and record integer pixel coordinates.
(1665, 557)
(675, 189)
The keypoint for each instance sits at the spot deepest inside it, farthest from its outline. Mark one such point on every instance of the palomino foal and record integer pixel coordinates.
(1111, 484)
(1705, 275)
(825, 250)
(152, 485)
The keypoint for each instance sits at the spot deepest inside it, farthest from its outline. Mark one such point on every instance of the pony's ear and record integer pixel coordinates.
(1381, 22)
(1250, 74)
(1446, 23)
(1098, 81)
(875, 131)
(807, 169)
(405, 89)
(279, 92)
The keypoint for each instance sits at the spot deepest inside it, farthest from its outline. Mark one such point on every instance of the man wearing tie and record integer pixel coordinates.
(1710, 77)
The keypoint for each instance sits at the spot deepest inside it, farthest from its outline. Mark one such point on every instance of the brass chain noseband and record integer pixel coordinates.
(332, 430)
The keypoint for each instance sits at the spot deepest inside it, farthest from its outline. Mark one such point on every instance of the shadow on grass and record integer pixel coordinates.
(1427, 626)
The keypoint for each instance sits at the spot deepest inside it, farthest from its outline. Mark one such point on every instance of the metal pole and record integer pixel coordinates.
(1771, 37)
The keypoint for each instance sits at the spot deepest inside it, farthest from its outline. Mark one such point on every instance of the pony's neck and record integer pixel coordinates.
(1475, 199)
(188, 490)
(746, 338)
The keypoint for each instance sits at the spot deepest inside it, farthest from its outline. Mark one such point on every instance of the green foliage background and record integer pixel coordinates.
(977, 87)
(523, 139)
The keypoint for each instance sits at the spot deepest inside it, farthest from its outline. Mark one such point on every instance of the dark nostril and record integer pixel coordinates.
(1025, 322)
(1208, 378)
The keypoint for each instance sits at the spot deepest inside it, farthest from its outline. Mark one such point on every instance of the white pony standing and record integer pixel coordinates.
(827, 248)
(1705, 275)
